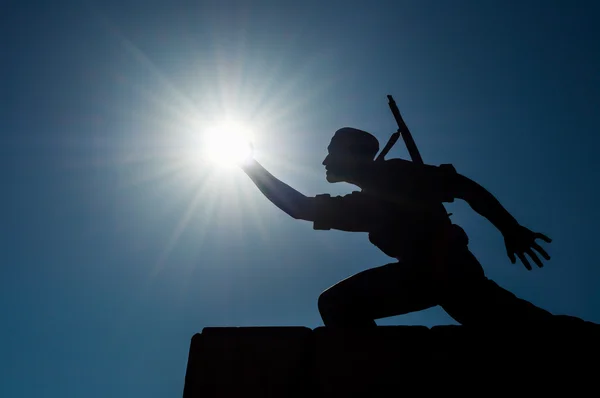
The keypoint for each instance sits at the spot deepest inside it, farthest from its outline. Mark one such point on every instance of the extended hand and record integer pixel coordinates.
(247, 155)
(521, 240)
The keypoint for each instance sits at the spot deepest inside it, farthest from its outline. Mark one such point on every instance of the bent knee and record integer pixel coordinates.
(325, 301)
(330, 300)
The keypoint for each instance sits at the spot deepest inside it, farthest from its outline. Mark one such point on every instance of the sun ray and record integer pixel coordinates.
(161, 100)
(236, 205)
(209, 210)
(252, 207)
(168, 170)
(183, 222)
(283, 116)
(179, 229)
(270, 110)
(258, 220)
(181, 101)
(230, 84)
(139, 55)
(208, 184)
(262, 94)
(284, 166)
(279, 107)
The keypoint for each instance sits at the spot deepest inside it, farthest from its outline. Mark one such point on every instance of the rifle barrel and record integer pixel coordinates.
(413, 151)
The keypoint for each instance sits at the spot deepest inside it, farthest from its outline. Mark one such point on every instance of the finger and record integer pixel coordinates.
(535, 258)
(541, 251)
(511, 256)
(524, 261)
(543, 237)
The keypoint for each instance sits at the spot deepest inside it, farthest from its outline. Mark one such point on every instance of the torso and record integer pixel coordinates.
(408, 235)
(415, 218)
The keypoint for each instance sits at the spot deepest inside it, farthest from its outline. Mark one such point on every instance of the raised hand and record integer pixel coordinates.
(520, 241)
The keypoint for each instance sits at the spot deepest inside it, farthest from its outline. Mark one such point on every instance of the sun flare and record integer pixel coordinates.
(228, 144)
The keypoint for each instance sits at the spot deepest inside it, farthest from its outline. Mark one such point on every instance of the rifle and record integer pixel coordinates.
(403, 130)
(406, 136)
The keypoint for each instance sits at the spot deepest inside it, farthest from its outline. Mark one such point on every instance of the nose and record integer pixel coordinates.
(325, 160)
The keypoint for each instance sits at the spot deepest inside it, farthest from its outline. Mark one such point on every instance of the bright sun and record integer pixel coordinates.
(228, 144)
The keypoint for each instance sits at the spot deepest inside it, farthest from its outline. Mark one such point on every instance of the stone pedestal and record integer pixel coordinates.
(393, 360)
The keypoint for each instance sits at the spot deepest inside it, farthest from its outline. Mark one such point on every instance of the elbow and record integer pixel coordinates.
(461, 187)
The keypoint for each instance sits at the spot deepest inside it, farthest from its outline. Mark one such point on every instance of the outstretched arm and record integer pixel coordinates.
(352, 213)
(483, 202)
(517, 239)
(280, 194)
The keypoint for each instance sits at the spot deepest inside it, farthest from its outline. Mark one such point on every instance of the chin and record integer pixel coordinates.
(332, 177)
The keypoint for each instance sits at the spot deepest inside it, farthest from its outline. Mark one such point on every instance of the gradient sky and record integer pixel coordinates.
(116, 246)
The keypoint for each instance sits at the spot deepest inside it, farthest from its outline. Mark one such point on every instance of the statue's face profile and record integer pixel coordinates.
(349, 150)
(338, 165)
(342, 162)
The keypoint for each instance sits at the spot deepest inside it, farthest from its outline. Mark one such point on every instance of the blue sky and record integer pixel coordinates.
(116, 246)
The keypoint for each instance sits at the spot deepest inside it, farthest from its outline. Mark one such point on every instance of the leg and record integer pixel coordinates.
(381, 292)
(488, 304)
(473, 299)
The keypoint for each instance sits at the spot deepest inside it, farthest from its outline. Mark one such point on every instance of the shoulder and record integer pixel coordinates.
(401, 166)
(402, 171)
(391, 166)
(397, 163)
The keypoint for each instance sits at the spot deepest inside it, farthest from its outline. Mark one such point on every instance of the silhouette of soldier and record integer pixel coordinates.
(400, 207)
